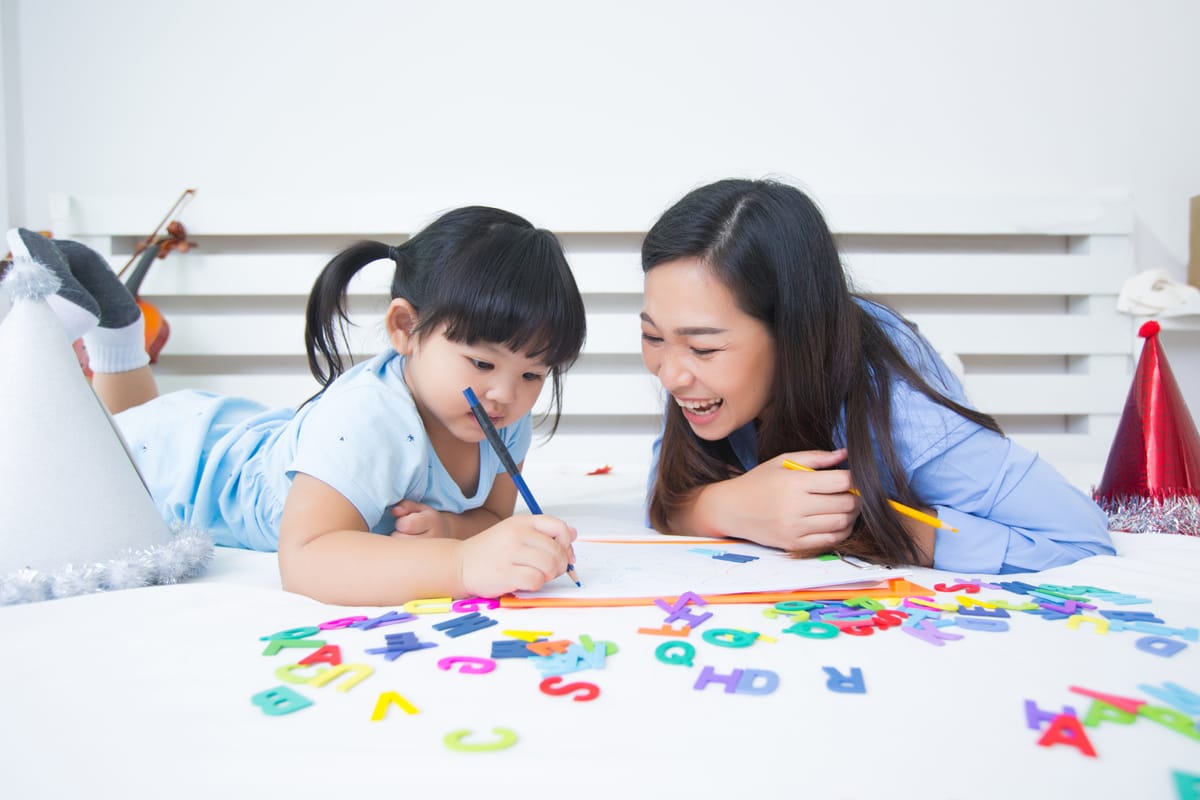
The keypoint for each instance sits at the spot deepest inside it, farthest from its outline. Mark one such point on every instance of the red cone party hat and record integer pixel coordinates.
(1152, 479)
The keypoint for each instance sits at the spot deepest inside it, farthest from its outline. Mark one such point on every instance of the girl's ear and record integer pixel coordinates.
(401, 319)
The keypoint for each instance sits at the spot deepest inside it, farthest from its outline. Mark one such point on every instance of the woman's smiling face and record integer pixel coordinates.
(717, 361)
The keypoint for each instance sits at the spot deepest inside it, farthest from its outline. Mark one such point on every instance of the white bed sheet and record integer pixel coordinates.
(146, 693)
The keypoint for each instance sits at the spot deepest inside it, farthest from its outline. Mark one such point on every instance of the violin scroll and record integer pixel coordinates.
(154, 247)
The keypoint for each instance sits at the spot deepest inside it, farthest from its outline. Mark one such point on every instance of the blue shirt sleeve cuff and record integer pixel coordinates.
(979, 545)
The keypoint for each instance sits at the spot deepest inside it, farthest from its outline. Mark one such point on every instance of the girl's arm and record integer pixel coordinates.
(803, 512)
(418, 519)
(327, 552)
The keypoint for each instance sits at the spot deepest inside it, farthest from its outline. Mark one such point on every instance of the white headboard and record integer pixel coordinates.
(1022, 291)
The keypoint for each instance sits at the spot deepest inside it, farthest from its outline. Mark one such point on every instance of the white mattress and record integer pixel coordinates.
(147, 693)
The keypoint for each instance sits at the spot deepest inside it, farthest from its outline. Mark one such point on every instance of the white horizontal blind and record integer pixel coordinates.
(1022, 292)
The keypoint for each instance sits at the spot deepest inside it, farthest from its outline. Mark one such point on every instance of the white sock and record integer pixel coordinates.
(117, 349)
(75, 320)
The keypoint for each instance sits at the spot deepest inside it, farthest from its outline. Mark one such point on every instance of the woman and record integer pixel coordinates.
(751, 327)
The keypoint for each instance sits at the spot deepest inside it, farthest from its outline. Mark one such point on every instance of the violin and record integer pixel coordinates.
(153, 247)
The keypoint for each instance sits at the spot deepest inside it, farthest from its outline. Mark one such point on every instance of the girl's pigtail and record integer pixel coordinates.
(326, 316)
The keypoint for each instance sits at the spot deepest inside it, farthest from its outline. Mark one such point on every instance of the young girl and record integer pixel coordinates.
(382, 488)
(767, 355)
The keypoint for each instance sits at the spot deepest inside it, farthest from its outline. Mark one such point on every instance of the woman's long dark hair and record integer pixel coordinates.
(487, 275)
(768, 243)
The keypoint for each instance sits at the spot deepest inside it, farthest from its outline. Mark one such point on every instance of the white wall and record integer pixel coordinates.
(9, 111)
(626, 102)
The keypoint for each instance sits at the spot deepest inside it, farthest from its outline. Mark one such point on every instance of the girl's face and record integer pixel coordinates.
(506, 383)
(717, 361)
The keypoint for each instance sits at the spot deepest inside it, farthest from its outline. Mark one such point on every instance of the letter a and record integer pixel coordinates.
(1065, 729)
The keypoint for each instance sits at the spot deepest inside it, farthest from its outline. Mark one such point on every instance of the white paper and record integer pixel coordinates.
(637, 568)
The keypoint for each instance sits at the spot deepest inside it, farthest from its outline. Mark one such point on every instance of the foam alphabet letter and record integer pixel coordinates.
(511, 648)
(474, 604)
(1034, 716)
(329, 654)
(1185, 700)
(504, 739)
(360, 672)
(468, 623)
(708, 675)
(1175, 720)
(1066, 729)
(856, 628)
(1191, 634)
(667, 630)
(528, 636)
(747, 683)
(587, 691)
(589, 645)
(291, 633)
(1188, 786)
(279, 701)
(813, 630)
(677, 611)
(1101, 711)
(1131, 616)
(926, 631)
(849, 684)
(1128, 704)
(470, 664)
(789, 606)
(969, 588)
(397, 644)
(1159, 645)
(1075, 620)
(390, 618)
(275, 645)
(680, 653)
(729, 637)
(543, 648)
(285, 673)
(982, 611)
(387, 699)
(991, 625)
(430, 605)
(888, 618)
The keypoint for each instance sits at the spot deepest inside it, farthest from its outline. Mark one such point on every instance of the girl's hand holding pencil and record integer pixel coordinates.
(520, 553)
(510, 466)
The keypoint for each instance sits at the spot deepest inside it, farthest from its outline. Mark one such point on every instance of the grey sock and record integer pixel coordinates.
(34, 246)
(117, 306)
(72, 302)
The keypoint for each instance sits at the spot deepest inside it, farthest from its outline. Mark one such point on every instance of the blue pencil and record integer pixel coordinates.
(493, 437)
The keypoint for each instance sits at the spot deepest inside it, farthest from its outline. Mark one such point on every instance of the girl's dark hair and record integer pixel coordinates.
(487, 275)
(768, 243)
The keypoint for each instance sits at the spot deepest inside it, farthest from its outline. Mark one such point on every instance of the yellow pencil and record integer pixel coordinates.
(912, 513)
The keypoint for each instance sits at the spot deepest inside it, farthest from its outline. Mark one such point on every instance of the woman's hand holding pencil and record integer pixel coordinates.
(802, 513)
(900, 508)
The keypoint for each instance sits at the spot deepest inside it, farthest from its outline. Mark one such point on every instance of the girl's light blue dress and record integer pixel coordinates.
(225, 464)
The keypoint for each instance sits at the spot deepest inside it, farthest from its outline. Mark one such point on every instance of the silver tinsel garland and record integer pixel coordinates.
(186, 555)
(1179, 514)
